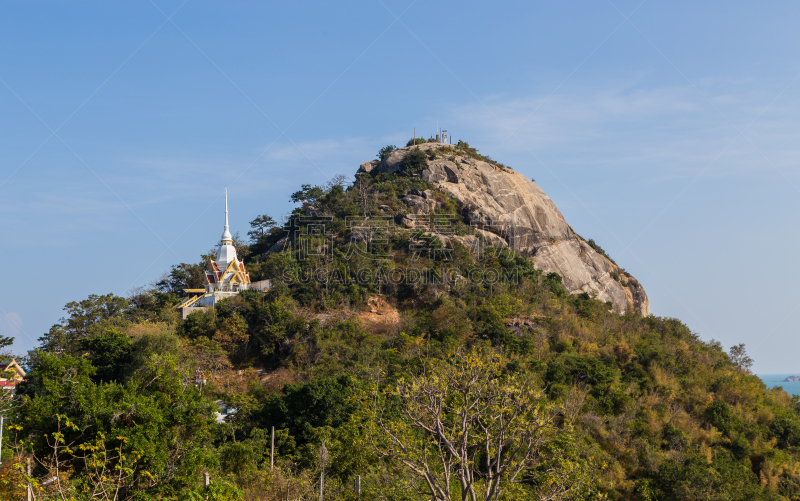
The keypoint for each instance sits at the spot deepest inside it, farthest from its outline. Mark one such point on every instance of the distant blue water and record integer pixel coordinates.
(773, 380)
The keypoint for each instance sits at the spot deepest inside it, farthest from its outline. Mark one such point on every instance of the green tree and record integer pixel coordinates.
(109, 353)
(722, 479)
(278, 266)
(96, 431)
(261, 227)
(232, 332)
(183, 276)
(740, 359)
(87, 317)
(5, 342)
(307, 194)
(200, 323)
(209, 355)
(327, 401)
(722, 416)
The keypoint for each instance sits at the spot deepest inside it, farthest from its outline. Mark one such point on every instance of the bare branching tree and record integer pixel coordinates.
(740, 359)
(363, 188)
(338, 180)
(471, 432)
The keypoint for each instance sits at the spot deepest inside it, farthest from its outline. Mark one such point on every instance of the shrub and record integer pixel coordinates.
(200, 323)
(695, 478)
(232, 332)
(623, 352)
(721, 415)
(383, 152)
(599, 249)
(218, 490)
(673, 438)
(325, 401)
(575, 369)
(787, 430)
(414, 142)
(614, 402)
(238, 458)
(414, 162)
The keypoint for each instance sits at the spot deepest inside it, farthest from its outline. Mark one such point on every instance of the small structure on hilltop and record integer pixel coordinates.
(11, 374)
(225, 277)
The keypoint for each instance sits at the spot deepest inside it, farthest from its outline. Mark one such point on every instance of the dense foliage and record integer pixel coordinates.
(398, 358)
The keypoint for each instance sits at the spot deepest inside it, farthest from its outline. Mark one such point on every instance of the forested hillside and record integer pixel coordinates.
(420, 360)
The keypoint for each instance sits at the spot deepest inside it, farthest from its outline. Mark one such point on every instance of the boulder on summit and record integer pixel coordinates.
(503, 202)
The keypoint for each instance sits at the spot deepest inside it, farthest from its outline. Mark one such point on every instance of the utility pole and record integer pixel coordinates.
(1, 439)
(323, 456)
(30, 487)
(272, 449)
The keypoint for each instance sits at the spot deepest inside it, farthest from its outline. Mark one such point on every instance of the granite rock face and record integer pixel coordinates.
(367, 167)
(516, 211)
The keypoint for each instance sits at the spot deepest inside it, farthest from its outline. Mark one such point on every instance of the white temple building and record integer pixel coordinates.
(225, 277)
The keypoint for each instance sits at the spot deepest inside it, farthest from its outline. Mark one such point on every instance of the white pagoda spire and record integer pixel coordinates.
(225, 275)
(226, 253)
(226, 235)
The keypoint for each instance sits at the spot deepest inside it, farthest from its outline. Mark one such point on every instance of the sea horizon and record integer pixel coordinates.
(773, 380)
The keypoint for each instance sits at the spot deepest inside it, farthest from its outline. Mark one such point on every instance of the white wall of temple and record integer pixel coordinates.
(212, 298)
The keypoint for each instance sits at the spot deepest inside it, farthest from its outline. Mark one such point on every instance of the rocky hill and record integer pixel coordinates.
(382, 338)
(517, 213)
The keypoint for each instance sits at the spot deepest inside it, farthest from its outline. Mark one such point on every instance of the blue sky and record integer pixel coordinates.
(666, 131)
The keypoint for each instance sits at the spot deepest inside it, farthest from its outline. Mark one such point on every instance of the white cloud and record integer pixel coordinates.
(569, 116)
(673, 130)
